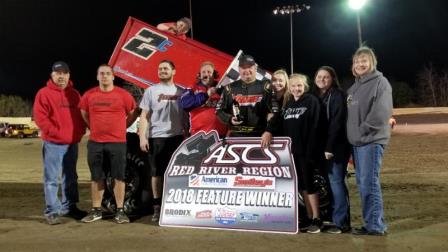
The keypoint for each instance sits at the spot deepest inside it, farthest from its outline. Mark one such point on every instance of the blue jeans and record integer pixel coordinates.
(60, 160)
(367, 160)
(340, 201)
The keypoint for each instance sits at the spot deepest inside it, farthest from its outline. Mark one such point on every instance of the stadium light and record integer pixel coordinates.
(290, 10)
(357, 6)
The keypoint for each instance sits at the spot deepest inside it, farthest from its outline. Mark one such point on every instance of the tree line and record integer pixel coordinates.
(432, 86)
(14, 106)
(431, 90)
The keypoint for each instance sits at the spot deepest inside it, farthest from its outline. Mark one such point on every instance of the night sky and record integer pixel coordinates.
(405, 34)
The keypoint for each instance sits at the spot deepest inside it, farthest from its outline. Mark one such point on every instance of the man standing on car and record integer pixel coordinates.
(107, 110)
(57, 115)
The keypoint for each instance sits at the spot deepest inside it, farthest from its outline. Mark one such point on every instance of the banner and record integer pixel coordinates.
(232, 184)
(141, 47)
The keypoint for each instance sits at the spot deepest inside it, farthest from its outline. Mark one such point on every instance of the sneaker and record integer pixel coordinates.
(53, 219)
(315, 226)
(120, 217)
(156, 215)
(75, 213)
(364, 231)
(94, 215)
(333, 230)
(304, 224)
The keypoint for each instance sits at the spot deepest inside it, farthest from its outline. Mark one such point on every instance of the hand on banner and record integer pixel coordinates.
(266, 139)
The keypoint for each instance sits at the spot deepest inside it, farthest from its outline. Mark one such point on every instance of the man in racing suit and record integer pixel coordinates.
(245, 103)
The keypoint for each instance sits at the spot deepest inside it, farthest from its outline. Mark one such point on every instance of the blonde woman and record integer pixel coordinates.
(280, 85)
(300, 121)
(369, 107)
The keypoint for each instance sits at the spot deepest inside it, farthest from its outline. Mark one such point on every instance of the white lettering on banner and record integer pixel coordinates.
(181, 170)
(208, 170)
(245, 198)
(268, 171)
(218, 156)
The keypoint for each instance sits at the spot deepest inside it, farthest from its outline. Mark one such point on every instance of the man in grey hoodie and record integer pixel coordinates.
(369, 104)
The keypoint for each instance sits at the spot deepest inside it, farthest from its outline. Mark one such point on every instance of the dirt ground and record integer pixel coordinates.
(414, 181)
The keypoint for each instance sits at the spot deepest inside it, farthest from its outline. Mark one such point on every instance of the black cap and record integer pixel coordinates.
(246, 60)
(60, 66)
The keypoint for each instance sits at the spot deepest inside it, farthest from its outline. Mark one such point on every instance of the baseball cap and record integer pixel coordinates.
(60, 66)
(246, 60)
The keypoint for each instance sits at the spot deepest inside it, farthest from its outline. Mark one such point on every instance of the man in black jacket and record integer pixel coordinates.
(245, 103)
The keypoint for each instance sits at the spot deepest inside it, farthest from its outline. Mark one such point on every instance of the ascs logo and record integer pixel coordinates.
(146, 42)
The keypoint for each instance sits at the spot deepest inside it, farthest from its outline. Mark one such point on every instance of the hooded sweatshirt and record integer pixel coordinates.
(57, 114)
(302, 121)
(334, 107)
(369, 107)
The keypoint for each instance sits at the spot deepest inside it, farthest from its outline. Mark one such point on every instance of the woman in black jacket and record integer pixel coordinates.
(300, 120)
(337, 148)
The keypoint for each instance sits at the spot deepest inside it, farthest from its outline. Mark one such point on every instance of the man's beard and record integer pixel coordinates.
(248, 79)
(165, 79)
(209, 81)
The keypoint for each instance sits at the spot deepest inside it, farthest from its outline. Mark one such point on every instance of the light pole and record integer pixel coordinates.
(290, 10)
(357, 6)
(191, 17)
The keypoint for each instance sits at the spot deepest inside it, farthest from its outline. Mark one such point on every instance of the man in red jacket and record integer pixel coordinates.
(57, 114)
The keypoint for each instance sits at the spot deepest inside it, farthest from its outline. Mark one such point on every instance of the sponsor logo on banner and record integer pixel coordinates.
(225, 216)
(249, 217)
(254, 182)
(217, 181)
(206, 214)
(177, 212)
(271, 218)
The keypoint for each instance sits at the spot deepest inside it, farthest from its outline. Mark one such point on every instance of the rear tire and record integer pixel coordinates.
(138, 192)
(324, 199)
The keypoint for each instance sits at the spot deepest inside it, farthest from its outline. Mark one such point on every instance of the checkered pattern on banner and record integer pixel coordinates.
(232, 74)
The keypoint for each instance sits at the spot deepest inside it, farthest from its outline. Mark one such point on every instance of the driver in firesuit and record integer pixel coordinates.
(245, 104)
